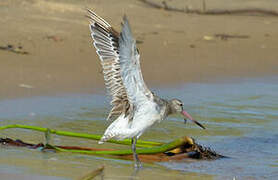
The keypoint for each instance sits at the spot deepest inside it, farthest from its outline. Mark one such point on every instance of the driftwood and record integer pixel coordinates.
(204, 11)
(228, 36)
(93, 174)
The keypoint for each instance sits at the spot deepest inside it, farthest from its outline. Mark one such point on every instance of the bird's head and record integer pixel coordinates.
(176, 107)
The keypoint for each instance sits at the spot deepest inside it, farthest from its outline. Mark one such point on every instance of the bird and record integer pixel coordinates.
(135, 108)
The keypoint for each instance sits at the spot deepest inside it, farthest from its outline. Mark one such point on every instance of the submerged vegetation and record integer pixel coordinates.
(177, 149)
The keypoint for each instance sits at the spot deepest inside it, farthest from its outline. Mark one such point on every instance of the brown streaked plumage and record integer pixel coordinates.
(106, 42)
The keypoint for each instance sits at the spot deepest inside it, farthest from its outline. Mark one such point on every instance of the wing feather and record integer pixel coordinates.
(106, 44)
(133, 81)
(121, 66)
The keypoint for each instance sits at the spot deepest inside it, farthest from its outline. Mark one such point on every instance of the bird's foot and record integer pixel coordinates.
(138, 165)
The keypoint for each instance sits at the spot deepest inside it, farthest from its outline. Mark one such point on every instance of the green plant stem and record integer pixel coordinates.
(152, 150)
(140, 143)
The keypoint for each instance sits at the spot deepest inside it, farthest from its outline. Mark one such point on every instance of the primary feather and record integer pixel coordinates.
(121, 66)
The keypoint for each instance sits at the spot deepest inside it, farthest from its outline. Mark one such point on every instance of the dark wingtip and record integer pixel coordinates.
(125, 20)
(125, 17)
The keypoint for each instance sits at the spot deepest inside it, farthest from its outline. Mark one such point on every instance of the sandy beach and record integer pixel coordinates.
(175, 48)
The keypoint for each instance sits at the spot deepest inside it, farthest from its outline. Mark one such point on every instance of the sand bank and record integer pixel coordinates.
(175, 47)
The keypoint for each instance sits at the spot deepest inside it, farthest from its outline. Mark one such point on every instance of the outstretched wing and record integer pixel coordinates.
(136, 89)
(121, 67)
(106, 44)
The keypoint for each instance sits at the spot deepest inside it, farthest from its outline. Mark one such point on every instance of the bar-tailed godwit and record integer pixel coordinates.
(134, 107)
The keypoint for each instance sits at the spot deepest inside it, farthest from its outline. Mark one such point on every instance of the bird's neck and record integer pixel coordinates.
(168, 110)
(163, 104)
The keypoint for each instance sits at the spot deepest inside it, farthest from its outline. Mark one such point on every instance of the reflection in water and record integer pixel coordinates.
(241, 120)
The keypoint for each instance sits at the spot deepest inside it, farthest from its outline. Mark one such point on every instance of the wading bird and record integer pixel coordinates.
(134, 107)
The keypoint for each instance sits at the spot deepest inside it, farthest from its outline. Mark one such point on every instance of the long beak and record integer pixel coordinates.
(187, 116)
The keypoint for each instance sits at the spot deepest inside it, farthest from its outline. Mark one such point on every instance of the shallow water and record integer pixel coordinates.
(240, 116)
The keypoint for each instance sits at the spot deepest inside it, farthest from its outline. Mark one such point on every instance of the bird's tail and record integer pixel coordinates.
(103, 139)
(100, 142)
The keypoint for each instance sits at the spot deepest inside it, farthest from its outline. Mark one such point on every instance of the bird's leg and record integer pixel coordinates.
(135, 156)
(47, 136)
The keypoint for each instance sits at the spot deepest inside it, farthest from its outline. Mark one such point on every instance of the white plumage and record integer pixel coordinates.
(134, 107)
(122, 73)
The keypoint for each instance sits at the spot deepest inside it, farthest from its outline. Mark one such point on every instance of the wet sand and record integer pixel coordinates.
(175, 48)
